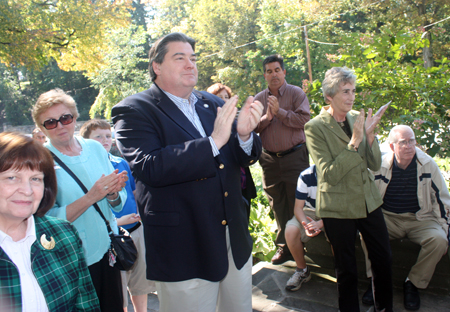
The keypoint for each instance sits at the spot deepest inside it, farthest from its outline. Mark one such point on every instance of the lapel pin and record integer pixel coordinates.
(205, 105)
(47, 244)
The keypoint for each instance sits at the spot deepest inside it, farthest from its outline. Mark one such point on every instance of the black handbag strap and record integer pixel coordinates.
(85, 190)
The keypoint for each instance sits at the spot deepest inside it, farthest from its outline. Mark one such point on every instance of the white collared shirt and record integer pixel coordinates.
(19, 252)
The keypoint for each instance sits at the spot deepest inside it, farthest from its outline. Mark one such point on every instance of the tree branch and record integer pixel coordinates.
(45, 3)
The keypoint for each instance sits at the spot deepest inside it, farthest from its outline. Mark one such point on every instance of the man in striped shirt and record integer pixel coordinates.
(281, 128)
(311, 225)
(416, 205)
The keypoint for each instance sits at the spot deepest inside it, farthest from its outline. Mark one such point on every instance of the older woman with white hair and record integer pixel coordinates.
(343, 146)
(55, 113)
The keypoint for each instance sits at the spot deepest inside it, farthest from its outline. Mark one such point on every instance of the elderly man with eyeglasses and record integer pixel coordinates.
(416, 205)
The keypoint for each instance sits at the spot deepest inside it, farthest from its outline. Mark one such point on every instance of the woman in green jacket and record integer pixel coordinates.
(343, 146)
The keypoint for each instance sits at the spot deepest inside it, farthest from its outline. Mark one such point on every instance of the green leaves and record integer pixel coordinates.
(70, 31)
(126, 73)
(261, 225)
(389, 67)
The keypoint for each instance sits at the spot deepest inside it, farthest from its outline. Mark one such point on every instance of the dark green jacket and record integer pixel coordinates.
(345, 185)
(61, 272)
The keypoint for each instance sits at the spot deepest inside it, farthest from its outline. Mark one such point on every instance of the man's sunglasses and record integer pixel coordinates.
(53, 123)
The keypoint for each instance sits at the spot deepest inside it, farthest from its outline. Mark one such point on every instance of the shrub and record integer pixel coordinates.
(262, 225)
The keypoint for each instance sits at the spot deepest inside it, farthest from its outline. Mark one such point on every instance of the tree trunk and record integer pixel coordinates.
(428, 53)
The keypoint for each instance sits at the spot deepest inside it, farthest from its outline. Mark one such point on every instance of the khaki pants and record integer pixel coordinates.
(233, 293)
(426, 233)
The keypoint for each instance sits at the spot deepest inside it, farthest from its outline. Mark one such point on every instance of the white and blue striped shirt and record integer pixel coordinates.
(307, 187)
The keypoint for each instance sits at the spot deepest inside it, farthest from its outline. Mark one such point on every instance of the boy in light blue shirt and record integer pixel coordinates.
(134, 279)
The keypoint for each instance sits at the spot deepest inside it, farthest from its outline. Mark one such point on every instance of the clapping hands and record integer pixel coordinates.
(248, 119)
(368, 124)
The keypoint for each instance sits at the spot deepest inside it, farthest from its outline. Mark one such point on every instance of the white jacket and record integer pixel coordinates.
(432, 192)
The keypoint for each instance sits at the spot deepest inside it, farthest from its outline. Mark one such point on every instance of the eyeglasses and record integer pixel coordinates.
(53, 123)
(404, 143)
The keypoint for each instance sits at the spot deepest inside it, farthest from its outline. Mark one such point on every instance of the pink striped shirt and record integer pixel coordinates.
(286, 129)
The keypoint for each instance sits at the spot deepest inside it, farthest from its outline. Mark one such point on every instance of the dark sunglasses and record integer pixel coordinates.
(53, 123)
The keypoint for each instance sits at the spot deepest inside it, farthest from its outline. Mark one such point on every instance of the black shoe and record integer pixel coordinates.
(367, 298)
(281, 256)
(411, 298)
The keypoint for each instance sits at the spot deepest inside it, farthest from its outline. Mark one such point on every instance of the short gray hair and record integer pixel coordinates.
(159, 49)
(334, 77)
(393, 133)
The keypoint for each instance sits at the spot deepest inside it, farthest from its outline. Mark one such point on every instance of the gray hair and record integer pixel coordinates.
(334, 77)
(159, 49)
(393, 133)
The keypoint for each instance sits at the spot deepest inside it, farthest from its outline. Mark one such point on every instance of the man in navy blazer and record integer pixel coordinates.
(185, 149)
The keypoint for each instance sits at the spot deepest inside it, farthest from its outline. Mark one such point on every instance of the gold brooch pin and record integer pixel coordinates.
(47, 244)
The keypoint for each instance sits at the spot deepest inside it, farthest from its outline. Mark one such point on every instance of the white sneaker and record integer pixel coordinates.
(297, 279)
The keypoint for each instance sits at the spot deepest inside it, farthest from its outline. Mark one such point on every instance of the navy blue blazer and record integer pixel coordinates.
(184, 194)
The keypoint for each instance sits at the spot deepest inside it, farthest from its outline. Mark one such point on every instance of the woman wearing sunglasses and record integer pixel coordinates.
(55, 113)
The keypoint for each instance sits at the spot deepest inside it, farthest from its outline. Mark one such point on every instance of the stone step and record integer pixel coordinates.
(320, 293)
(404, 255)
